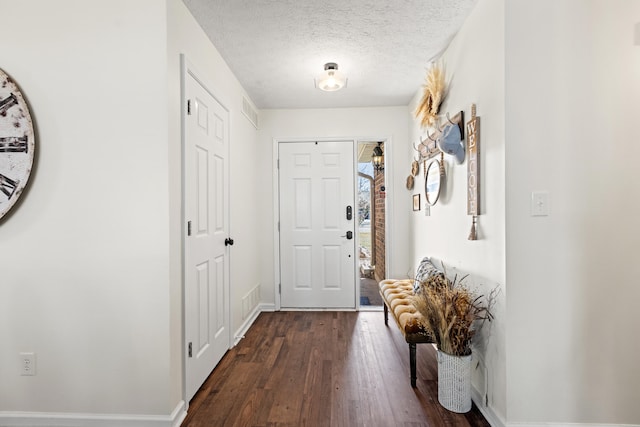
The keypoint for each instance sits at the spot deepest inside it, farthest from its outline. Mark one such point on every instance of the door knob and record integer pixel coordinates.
(349, 235)
(228, 241)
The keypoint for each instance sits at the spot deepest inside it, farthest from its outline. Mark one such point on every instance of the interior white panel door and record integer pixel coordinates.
(206, 155)
(317, 261)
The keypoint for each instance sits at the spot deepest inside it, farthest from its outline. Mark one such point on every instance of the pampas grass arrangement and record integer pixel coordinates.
(433, 95)
(452, 312)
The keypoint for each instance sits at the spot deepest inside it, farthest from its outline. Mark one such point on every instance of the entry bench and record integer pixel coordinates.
(397, 296)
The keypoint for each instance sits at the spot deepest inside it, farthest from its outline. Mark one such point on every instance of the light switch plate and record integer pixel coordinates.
(540, 203)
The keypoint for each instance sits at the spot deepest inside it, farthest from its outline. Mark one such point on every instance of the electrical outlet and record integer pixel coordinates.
(540, 203)
(27, 363)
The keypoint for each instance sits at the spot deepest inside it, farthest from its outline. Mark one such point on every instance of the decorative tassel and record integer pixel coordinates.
(473, 235)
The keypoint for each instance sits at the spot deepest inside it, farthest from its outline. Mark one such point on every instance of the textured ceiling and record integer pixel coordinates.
(276, 47)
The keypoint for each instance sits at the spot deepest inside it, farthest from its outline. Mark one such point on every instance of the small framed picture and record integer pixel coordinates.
(416, 202)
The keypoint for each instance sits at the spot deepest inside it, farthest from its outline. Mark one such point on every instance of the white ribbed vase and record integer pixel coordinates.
(454, 382)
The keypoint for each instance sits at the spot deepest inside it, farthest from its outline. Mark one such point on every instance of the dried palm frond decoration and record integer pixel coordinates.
(432, 96)
(453, 312)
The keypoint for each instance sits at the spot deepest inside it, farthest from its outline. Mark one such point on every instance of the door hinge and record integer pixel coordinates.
(188, 228)
(278, 164)
(188, 107)
(190, 350)
(278, 226)
(280, 288)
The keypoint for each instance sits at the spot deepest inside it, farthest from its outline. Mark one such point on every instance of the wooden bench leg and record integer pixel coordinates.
(386, 314)
(412, 363)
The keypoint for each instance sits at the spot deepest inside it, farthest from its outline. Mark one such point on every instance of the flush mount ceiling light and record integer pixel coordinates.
(331, 79)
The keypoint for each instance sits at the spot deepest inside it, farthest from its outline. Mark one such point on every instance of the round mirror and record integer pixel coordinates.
(432, 182)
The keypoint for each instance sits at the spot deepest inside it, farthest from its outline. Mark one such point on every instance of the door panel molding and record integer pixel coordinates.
(205, 224)
(329, 161)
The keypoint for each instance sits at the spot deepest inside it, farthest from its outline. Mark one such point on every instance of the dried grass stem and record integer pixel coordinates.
(452, 312)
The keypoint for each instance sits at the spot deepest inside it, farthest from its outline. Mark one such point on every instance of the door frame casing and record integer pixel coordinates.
(187, 68)
(276, 206)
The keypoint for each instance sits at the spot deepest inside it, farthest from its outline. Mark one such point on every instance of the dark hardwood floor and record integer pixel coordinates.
(323, 369)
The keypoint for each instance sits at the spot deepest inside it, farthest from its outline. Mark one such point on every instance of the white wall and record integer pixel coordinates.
(474, 66)
(84, 280)
(572, 90)
(383, 122)
(91, 260)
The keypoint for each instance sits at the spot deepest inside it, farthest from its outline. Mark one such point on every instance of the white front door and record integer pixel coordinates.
(206, 263)
(317, 242)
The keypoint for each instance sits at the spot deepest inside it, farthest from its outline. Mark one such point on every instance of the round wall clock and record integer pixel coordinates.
(17, 143)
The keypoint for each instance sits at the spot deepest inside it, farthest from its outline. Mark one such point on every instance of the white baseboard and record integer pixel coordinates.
(555, 424)
(179, 413)
(246, 325)
(492, 418)
(249, 321)
(47, 419)
(267, 307)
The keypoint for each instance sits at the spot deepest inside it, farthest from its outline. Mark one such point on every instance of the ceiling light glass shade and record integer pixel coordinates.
(331, 79)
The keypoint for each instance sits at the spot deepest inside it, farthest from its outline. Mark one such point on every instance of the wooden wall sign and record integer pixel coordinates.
(473, 169)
